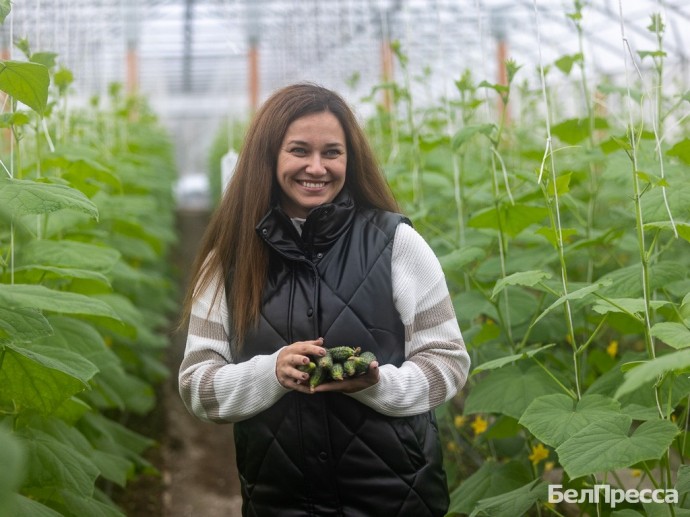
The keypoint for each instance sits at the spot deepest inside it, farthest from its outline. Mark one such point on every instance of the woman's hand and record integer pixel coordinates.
(293, 356)
(352, 384)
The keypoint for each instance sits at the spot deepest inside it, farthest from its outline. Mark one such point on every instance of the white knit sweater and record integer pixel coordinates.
(436, 362)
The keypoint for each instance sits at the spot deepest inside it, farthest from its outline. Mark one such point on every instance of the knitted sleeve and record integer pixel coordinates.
(437, 362)
(212, 387)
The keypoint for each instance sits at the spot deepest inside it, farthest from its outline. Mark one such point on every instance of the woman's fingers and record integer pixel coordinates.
(292, 357)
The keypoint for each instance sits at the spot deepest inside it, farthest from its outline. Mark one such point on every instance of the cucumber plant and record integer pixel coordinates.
(568, 271)
(86, 223)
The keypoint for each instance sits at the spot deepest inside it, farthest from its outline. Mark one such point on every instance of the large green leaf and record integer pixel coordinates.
(43, 298)
(29, 508)
(23, 197)
(510, 390)
(683, 480)
(42, 377)
(82, 339)
(114, 438)
(526, 278)
(26, 82)
(673, 334)
(38, 273)
(12, 459)
(575, 130)
(490, 480)
(555, 418)
(56, 465)
(69, 254)
(21, 325)
(516, 502)
(609, 444)
(457, 259)
(640, 403)
(513, 218)
(79, 504)
(629, 306)
(653, 369)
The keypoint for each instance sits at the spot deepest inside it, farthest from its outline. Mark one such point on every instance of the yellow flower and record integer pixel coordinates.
(539, 453)
(459, 421)
(635, 473)
(612, 349)
(548, 466)
(452, 447)
(479, 425)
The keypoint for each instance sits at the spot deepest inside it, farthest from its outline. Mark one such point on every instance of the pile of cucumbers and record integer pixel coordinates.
(339, 363)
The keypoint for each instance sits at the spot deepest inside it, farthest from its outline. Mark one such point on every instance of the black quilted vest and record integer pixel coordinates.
(327, 454)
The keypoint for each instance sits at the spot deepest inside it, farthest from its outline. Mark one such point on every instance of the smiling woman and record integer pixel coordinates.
(307, 253)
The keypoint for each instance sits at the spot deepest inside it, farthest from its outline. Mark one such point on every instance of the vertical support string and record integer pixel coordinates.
(548, 154)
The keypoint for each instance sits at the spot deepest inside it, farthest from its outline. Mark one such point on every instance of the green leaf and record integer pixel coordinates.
(555, 418)
(16, 118)
(13, 461)
(513, 218)
(457, 259)
(673, 334)
(651, 370)
(565, 63)
(516, 502)
(79, 504)
(490, 480)
(46, 59)
(29, 508)
(54, 464)
(43, 298)
(5, 8)
(502, 361)
(681, 150)
(24, 197)
(608, 444)
(468, 132)
(69, 254)
(575, 295)
(575, 130)
(26, 82)
(42, 377)
(550, 235)
(22, 325)
(629, 306)
(683, 229)
(526, 278)
(683, 480)
(509, 390)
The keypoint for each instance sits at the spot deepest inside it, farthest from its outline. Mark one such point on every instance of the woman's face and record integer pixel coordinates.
(311, 163)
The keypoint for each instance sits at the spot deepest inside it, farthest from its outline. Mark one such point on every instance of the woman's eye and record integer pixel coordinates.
(299, 151)
(333, 153)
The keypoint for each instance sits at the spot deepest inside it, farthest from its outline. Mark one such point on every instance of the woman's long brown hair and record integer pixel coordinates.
(230, 243)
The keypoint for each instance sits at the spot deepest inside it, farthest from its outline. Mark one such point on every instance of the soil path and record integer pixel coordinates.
(199, 472)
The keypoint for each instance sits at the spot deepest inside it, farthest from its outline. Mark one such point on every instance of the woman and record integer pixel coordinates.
(307, 250)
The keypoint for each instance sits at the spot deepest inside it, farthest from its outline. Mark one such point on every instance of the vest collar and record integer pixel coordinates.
(323, 226)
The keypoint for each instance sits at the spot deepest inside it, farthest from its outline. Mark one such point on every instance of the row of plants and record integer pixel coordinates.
(565, 242)
(86, 291)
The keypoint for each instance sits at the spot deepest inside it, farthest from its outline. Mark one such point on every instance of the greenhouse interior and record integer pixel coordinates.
(540, 151)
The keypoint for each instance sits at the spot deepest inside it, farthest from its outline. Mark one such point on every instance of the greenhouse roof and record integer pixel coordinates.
(192, 57)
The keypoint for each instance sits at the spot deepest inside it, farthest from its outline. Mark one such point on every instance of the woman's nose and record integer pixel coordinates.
(315, 164)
